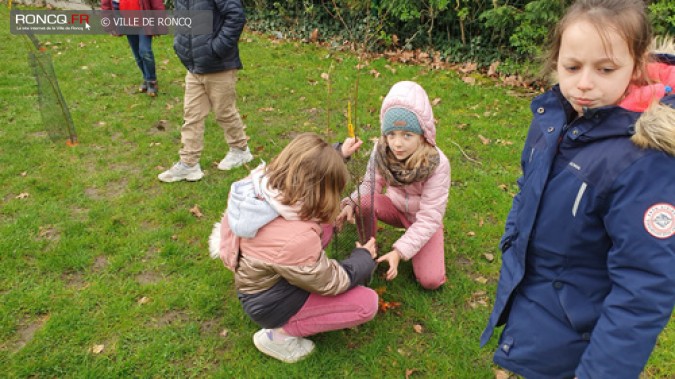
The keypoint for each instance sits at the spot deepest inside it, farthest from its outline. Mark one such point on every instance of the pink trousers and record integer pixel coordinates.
(428, 264)
(326, 313)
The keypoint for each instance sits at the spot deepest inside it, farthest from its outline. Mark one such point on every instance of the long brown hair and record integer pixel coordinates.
(418, 158)
(312, 173)
(626, 17)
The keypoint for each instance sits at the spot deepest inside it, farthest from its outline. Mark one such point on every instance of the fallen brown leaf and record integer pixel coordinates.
(478, 299)
(196, 211)
(314, 36)
(481, 279)
(143, 300)
(385, 306)
(469, 80)
(469, 67)
(492, 71)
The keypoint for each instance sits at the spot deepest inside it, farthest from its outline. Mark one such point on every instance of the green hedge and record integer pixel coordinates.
(512, 32)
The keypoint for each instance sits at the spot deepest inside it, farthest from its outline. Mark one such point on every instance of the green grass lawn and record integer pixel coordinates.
(104, 271)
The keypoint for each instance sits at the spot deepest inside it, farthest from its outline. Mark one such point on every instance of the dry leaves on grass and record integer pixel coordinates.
(478, 299)
(469, 80)
(468, 67)
(492, 71)
(314, 36)
(196, 211)
(97, 349)
(385, 306)
(481, 279)
(143, 300)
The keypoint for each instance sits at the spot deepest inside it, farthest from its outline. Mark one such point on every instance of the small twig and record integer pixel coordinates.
(463, 153)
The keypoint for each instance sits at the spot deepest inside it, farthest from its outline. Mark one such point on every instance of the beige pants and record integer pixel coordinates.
(205, 92)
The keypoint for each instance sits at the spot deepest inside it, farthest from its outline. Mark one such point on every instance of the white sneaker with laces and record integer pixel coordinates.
(289, 350)
(181, 171)
(235, 158)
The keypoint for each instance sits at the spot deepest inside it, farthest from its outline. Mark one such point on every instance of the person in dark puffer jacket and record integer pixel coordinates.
(212, 61)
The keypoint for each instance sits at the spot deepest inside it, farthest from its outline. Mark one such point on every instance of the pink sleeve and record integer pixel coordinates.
(229, 245)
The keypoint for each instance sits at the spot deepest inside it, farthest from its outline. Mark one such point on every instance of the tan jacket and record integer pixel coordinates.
(290, 250)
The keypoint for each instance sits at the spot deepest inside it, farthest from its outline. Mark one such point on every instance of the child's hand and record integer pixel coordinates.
(392, 258)
(370, 246)
(347, 213)
(350, 146)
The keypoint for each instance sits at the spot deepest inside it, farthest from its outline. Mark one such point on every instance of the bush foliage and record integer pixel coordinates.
(510, 31)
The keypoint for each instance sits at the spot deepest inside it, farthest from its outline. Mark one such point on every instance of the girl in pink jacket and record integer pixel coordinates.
(270, 237)
(411, 179)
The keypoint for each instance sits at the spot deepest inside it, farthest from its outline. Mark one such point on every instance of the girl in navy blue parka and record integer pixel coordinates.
(588, 266)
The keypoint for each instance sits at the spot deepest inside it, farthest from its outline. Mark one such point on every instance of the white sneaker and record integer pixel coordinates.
(290, 350)
(235, 158)
(181, 171)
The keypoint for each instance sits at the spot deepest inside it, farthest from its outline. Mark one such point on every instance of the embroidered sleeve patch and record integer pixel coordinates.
(660, 220)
